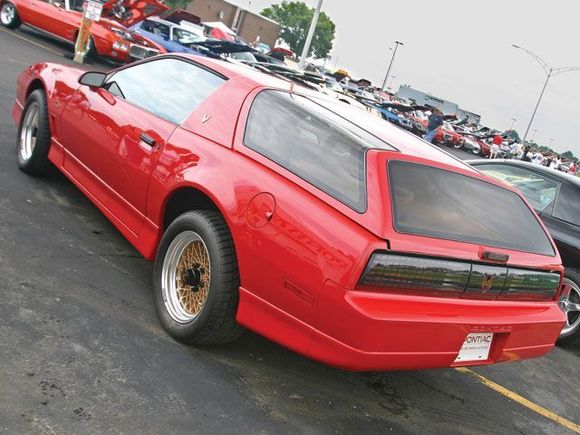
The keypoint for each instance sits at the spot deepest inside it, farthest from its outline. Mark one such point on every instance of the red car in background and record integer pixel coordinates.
(447, 135)
(343, 238)
(110, 37)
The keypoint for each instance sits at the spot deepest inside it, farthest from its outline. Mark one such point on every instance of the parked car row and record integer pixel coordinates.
(111, 37)
(130, 30)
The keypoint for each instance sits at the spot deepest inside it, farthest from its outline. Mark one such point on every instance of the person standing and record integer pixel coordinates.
(537, 158)
(494, 151)
(526, 155)
(505, 150)
(435, 121)
(496, 146)
(517, 150)
(556, 163)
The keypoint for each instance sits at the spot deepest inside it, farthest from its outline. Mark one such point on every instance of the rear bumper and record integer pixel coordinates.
(369, 331)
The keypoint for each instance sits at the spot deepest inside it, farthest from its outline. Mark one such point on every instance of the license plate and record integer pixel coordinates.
(476, 347)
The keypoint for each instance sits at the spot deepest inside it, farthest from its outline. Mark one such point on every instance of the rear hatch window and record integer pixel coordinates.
(437, 203)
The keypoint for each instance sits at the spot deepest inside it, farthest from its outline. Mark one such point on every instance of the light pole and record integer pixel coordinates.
(393, 77)
(397, 43)
(533, 135)
(550, 72)
(310, 35)
(513, 122)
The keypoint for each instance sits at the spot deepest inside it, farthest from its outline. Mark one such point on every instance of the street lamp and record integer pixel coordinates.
(309, 36)
(550, 72)
(513, 122)
(397, 43)
(533, 135)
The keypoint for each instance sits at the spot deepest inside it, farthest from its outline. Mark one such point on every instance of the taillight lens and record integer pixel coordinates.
(441, 277)
(524, 284)
(416, 274)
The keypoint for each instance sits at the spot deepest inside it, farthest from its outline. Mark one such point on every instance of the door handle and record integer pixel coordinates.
(147, 139)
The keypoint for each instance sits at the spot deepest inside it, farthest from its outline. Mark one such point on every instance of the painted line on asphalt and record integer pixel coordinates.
(13, 33)
(522, 400)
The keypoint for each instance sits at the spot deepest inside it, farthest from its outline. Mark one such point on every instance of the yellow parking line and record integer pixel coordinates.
(13, 33)
(522, 400)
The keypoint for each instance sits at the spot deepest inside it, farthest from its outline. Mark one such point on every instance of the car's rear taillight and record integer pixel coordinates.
(416, 274)
(524, 284)
(442, 277)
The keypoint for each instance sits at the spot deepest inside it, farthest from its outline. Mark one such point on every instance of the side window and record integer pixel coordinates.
(312, 142)
(161, 30)
(169, 88)
(77, 5)
(568, 204)
(147, 26)
(540, 191)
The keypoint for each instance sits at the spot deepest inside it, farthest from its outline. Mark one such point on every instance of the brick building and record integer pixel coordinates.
(246, 24)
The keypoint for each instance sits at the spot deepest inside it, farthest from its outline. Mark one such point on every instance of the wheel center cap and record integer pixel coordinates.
(191, 278)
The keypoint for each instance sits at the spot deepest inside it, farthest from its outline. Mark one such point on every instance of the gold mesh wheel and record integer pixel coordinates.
(186, 277)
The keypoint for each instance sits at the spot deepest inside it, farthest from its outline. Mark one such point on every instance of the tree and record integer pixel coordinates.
(177, 4)
(514, 135)
(294, 19)
(569, 155)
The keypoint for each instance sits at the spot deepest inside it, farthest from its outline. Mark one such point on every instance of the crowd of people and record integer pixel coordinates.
(507, 148)
(501, 148)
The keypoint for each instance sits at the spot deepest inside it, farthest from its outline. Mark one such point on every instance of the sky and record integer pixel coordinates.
(462, 51)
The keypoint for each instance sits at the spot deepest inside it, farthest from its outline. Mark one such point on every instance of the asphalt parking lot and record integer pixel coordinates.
(81, 350)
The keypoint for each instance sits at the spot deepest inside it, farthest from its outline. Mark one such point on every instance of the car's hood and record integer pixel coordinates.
(130, 12)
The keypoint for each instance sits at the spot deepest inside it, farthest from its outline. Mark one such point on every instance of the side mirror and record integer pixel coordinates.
(93, 79)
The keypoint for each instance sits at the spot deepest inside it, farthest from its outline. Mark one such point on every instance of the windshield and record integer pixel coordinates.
(244, 55)
(540, 191)
(185, 37)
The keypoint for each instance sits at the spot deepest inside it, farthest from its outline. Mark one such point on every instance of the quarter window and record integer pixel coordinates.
(169, 88)
(312, 142)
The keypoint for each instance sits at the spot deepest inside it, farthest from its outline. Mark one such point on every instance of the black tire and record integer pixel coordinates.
(216, 322)
(572, 336)
(11, 21)
(36, 162)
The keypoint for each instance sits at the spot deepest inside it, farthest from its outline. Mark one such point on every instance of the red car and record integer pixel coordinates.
(109, 36)
(476, 145)
(342, 237)
(447, 135)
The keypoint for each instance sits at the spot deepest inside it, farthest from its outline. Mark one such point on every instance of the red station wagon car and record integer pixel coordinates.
(110, 36)
(269, 206)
